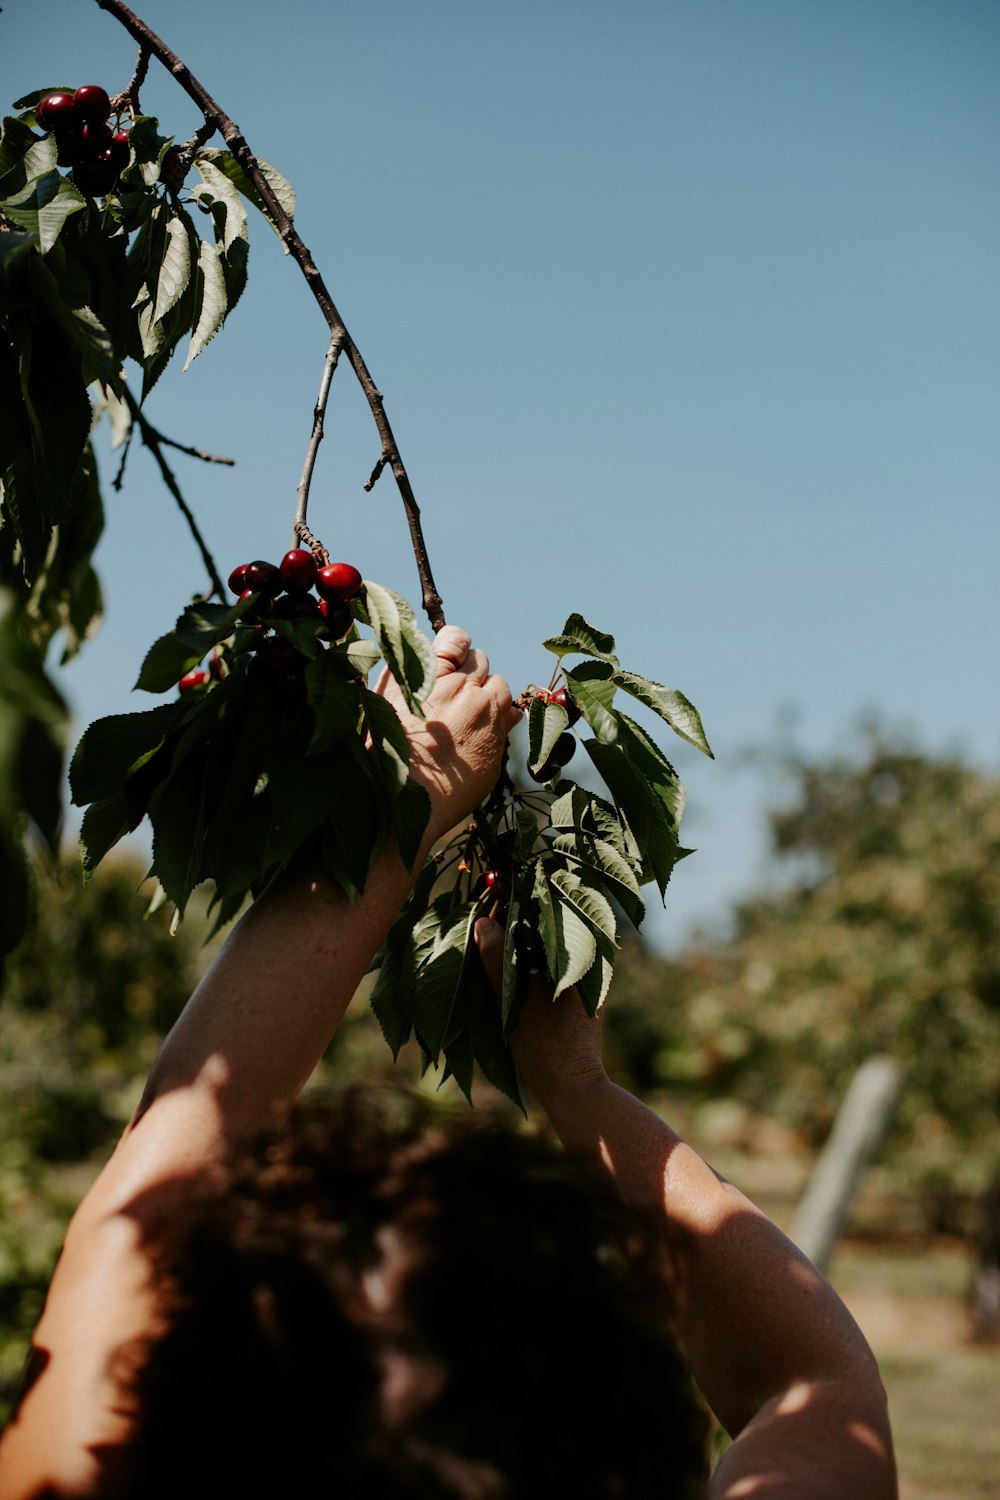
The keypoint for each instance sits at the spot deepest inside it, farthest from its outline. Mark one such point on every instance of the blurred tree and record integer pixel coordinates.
(881, 933)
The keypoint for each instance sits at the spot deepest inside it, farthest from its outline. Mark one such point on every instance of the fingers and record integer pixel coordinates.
(451, 647)
(489, 940)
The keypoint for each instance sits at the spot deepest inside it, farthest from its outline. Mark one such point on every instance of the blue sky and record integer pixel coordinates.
(687, 318)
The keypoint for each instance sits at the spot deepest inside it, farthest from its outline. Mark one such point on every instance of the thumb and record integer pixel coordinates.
(489, 937)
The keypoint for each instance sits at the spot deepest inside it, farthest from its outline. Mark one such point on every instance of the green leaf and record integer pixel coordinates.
(177, 813)
(224, 199)
(648, 818)
(594, 985)
(363, 656)
(389, 741)
(104, 824)
(175, 266)
(392, 996)
(486, 1030)
(516, 960)
(588, 900)
(213, 301)
(436, 1011)
(575, 944)
(334, 702)
(110, 747)
(165, 663)
(412, 815)
(580, 636)
(408, 652)
(43, 205)
(548, 931)
(279, 185)
(613, 868)
(85, 331)
(546, 722)
(679, 713)
(657, 772)
(592, 688)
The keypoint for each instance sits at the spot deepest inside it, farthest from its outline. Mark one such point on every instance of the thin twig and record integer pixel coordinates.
(376, 472)
(119, 479)
(154, 441)
(199, 453)
(130, 95)
(316, 437)
(290, 238)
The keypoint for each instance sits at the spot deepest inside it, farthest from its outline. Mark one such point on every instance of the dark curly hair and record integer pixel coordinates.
(386, 1306)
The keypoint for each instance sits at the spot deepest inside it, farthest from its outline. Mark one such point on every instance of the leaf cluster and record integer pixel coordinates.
(557, 865)
(284, 752)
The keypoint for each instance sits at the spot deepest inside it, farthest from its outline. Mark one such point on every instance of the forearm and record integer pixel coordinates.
(757, 1321)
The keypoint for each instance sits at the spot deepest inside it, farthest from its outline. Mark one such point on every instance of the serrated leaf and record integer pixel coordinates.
(592, 688)
(42, 207)
(578, 635)
(436, 1007)
(85, 331)
(110, 747)
(213, 301)
(165, 663)
(231, 222)
(363, 656)
(547, 928)
(408, 652)
(334, 702)
(175, 266)
(546, 722)
(489, 1045)
(673, 707)
(613, 868)
(576, 945)
(104, 824)
(279, 185)
(651, 763)
(594, 985)
(646, 815)
(589, 901)
(389, 741)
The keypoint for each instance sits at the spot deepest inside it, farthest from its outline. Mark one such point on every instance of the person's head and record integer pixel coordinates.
(388, 1307)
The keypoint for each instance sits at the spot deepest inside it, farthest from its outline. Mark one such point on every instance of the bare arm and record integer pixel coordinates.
(233, 1065)
(777, 1355)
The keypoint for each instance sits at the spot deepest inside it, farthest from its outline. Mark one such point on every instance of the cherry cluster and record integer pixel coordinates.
(85, 140)
(283, 591)
(563, 750)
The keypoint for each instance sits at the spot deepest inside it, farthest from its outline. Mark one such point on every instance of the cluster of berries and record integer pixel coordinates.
(85, 140)
(283, 591)
(563, 750)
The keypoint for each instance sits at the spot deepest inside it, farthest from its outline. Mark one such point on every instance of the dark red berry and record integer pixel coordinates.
(298, 569)
(265, 577)
(92, 103)
(261, 609)
(564, 749)
(170, 170)
(562, 699)
(545, 772)
(275, 659)
(95, 178)
(69, 146)
(120, 151)
(238, 578)
(96, 138)
(297, 606)
(192, 680)
(339, 582)
(338, 618)
(56, 111)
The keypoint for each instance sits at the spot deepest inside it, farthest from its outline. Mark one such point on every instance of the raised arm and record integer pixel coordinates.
(233, 1065)
(777, 1355)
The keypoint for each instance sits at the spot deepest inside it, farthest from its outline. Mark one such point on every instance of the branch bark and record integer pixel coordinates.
(301, 531)
(234, 139)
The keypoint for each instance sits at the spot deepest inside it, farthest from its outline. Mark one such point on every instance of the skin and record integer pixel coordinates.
(774, 1350)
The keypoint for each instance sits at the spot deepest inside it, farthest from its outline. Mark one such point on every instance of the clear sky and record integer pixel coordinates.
(686, 314)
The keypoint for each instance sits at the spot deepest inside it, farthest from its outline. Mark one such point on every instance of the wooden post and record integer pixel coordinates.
(858, 1131)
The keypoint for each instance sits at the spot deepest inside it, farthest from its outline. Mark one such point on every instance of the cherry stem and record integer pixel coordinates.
(155, 442)
(300, 530)
(234, 139)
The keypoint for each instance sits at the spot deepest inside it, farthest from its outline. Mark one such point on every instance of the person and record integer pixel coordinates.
(414, 1311)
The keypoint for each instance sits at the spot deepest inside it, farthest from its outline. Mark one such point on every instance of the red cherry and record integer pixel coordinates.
(563, 750)
(274, 659)
(238, 578)
(338, 618)
(96, 138)
(56, 111)
(339, 582)
(120, 152)
(297, 606)
(298, 569)
(265, 577)
(92, 103)
(546, 772)
(561, 698)
(192, 680)
(69, 146)
(261, 609)
(491, 877)
(95, 178)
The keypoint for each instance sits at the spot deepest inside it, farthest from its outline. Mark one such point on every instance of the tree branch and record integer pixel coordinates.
(241, 151)
(155, 442)
(301, 530)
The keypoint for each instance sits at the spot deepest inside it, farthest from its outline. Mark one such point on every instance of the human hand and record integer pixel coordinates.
(555, 1043)
(456, 750)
